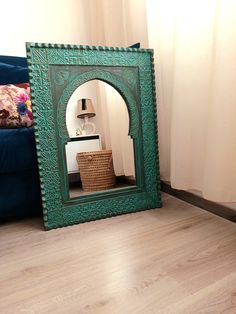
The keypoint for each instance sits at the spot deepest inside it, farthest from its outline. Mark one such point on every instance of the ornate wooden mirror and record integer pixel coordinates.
(56, 73)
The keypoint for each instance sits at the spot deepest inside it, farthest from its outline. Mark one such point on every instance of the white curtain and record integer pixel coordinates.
(195, 47)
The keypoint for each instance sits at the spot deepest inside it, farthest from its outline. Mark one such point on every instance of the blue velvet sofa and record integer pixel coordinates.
(19, 180)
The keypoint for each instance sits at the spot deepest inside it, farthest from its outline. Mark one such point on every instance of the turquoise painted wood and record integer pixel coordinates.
(55, 72)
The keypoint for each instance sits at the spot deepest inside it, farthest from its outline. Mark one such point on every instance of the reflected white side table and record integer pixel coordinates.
(80, 144)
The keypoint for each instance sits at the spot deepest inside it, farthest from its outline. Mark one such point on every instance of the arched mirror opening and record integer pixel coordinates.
(99, 155)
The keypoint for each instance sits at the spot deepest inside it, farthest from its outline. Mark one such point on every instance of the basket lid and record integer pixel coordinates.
(96, 152)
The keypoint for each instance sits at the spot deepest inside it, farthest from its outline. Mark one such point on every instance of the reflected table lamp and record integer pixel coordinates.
(86, 111)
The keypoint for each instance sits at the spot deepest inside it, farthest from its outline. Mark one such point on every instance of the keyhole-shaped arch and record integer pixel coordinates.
(124, 90)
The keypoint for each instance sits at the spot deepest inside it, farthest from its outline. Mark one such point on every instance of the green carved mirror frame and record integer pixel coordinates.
(55, 73)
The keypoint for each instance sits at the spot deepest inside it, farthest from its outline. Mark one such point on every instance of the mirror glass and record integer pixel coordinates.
(99, 155)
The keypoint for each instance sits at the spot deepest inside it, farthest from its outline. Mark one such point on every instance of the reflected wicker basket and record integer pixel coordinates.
(96, 170)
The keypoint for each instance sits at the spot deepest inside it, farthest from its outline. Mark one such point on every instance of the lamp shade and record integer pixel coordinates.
(86, 108)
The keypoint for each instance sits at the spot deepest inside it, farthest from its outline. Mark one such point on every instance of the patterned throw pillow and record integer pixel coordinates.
(15, 107)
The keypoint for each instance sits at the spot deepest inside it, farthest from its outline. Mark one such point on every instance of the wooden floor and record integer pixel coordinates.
(178, 259)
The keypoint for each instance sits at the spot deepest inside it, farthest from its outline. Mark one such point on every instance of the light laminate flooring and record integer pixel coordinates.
(177, 259)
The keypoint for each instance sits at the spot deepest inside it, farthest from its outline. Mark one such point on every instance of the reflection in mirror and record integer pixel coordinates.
(99, 155)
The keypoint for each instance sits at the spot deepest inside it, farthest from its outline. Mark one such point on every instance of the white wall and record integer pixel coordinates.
(46, 21)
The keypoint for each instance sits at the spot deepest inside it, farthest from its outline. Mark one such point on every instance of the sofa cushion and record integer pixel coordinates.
(13, 70)
(15, 107)
(18, 151)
